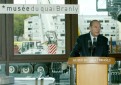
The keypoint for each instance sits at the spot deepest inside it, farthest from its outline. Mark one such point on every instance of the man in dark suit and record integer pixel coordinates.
(92, 43)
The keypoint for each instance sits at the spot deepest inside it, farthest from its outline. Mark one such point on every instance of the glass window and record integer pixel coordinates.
(48, 30)
(31, 73)
(102, 15)
(106, 21)
(112, 27)
(2, 70)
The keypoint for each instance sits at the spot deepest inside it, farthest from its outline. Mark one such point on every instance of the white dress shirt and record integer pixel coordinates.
(92, 38)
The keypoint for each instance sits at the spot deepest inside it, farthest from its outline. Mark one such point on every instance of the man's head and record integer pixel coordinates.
(95, 27)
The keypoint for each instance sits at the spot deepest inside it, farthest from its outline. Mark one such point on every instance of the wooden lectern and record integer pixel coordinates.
(91, 70)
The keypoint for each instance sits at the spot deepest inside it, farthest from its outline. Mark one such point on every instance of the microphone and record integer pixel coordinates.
(94, 42)
(93, 47)
(89, 44)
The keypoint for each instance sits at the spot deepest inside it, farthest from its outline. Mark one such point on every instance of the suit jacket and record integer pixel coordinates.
(81, 47)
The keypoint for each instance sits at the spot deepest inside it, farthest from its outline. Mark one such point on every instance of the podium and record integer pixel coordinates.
(91, 70)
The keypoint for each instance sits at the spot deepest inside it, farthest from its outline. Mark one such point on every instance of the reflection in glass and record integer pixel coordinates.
(39, 33)
(26, 73)
(110, 27)
(2, 70)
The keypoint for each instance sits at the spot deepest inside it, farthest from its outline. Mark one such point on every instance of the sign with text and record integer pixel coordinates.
(91, 60)
(39, 9)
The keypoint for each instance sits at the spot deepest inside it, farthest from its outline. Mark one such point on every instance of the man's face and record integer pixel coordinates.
(95, 29)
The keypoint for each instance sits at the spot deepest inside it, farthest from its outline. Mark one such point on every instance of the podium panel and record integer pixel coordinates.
(91, 70)
(91, 74)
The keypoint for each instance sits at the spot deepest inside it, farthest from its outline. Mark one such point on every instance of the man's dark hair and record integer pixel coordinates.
(93, 21)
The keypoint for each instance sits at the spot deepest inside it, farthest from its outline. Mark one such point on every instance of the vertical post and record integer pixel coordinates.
(42, 81)
(109, 74)
(36, 81)
(7, 68)
(72, 75)
(111, 45)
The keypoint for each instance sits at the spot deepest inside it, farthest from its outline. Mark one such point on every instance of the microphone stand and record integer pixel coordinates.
(92, 49)
(90, 46)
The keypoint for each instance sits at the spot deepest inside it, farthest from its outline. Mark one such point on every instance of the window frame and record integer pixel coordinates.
(36, 58)
(2, 37)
